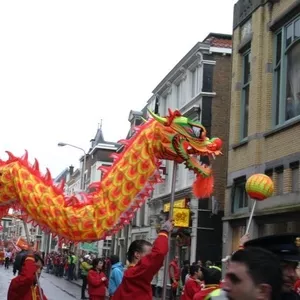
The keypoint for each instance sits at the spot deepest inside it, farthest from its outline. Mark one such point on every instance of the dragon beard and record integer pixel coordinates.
(204, 183)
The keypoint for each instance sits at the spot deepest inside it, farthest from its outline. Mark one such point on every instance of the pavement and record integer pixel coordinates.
(55, 288)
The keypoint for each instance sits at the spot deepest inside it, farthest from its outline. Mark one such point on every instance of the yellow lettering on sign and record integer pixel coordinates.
(181, 217)
(178, 203)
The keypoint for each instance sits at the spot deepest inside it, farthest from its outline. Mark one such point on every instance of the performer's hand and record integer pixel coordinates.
(168, 226)
(245, 238)
(104, 279)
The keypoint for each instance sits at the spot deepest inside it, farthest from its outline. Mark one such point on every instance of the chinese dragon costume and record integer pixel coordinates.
(112, 202)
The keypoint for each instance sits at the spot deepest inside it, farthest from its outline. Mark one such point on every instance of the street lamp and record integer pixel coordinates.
(81, 177)
(84, 162)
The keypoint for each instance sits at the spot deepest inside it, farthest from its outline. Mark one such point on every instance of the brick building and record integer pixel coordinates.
(265, 117)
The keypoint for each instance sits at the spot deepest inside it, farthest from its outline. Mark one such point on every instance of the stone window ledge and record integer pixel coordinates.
(263, 213)
(239, 144)
(287, 125)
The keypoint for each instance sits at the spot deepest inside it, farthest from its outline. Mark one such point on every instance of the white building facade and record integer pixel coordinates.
(180, 89)
(184, 88)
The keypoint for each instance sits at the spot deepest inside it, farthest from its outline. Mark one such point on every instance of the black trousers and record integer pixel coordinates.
(83, 287)
(173, 292)
(6, 262)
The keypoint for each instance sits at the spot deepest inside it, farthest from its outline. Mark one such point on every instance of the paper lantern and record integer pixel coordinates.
(259, 187)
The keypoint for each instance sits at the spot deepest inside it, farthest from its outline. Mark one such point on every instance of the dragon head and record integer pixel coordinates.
(182, 140)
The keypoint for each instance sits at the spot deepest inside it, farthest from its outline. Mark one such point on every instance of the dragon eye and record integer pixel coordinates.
(197, 131)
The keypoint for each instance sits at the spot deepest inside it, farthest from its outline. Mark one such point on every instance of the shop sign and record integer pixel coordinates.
(178, 203)
(181, 217)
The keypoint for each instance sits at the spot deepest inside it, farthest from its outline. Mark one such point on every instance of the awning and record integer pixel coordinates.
(89, 247)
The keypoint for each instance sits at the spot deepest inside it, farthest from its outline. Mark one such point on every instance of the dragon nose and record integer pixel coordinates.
(216, 144)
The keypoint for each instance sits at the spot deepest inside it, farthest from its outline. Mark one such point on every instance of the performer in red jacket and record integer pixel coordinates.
(97, 281)
(145, 262)
(24, 286)
(193, 285)
(174, 274)
(212, 278)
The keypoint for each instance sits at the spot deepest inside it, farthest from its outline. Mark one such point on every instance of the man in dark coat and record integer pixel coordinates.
(287, 248)
(18, 261)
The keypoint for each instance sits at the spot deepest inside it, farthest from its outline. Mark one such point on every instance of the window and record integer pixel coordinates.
(107, 243)
(295, 176)
(151, 105)
(142, 236)
(208, 71)
(179, 95)
(279, 180)
(245, 93)
(246, 31)
(85, 180)
(287, 73)
(194, 82)
(178, 175)
(94, 173)
(142, 214)
(104, 165)
(162, 106)
(106, 253)
(239, 195)
(106, 248)
(134, 221)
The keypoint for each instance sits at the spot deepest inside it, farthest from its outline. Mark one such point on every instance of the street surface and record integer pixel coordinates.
(55, 288)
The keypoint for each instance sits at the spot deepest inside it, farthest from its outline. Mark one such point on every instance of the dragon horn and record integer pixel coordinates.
(25, 156)
(158, 118)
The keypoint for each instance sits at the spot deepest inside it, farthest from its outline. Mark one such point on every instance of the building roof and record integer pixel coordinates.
(74, 177)
(219, 40)
(98, 142)
(62, 175)
(99, 138)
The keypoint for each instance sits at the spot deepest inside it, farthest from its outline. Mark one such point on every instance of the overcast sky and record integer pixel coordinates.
(65, 65)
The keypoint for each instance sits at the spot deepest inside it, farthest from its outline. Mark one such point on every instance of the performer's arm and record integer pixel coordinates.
(24, 281)
(151, 263)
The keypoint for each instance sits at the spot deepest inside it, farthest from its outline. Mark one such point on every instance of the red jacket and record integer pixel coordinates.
(97, 283)
(191, 287)
(136, 283)
(22, 286)
(297, 287)
(176, 271)
(206, 291)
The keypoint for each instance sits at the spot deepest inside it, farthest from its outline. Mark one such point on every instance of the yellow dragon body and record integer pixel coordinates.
(124, 187)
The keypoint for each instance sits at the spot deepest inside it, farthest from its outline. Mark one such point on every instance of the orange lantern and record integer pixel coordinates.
(259, 187)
